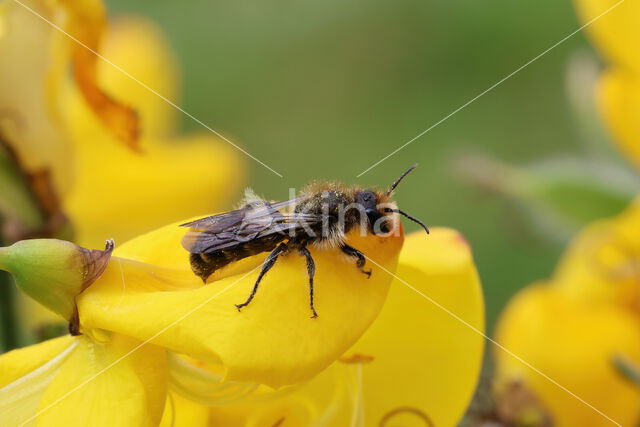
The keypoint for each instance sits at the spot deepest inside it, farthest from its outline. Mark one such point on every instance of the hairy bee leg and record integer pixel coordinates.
(359, 256)
(311, 271)
(266, 266)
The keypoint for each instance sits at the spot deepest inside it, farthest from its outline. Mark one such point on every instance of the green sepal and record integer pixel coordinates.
(54, 272)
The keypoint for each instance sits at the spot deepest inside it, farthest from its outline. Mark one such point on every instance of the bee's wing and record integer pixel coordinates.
(256, 209)
(226, 230)
(289, 224)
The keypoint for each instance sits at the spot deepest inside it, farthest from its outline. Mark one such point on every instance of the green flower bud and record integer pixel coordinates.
(54, 272)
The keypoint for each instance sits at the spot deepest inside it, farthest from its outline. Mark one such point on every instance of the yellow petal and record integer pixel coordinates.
(3, 19)
(121, 194)
(130, 391)
(80, 381)
(172, 308)
(619, 98)
(574, 344)
(425, 362)
(181, 412)
(425, 358)
(18, 363)
(172, 256)
(25, 375)
(334, 397)
(601, 263)
(331, 398)
(615, 33)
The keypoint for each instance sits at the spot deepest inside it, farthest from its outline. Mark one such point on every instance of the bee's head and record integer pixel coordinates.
(378, 207)
(370, 200)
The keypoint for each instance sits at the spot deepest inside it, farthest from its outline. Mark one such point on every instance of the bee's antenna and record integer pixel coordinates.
(397, 181)
(403, 213)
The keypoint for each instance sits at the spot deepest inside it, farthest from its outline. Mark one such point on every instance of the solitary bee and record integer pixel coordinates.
(321, 215)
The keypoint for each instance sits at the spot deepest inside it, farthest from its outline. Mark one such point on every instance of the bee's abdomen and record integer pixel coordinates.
(205, 264)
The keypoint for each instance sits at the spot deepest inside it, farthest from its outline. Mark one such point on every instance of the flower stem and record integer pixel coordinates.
(17, 200)
(8, 315)
(3, 263)
(8, 329)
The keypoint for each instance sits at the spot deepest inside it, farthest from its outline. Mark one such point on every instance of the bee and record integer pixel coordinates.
(320, 216)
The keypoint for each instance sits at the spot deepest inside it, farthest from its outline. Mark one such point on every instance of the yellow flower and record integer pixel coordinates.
(148, 300)
(602, 263)
(119, 193)
(619, 95)
(617, 35)
(575, 327)
(270, 360)
(29, 83)
(72, 129)
(425, 358)
(35, 381)
(38, 57)
(149, 287)
(575, 344)
(416, 363)
(69, 131)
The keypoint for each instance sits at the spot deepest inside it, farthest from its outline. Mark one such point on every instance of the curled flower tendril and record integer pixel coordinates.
(406, 410)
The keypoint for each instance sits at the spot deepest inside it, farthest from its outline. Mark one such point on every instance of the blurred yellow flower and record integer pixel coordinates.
(34, 78)
(617, 36)
(119, 193)
(619, 93)
(576, 345)
(72, 129)
(602, 263)
(577, 325)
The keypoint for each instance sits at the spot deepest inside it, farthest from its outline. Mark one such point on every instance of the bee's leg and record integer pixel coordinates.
(359, 256)
(311, 271)
(266, 266)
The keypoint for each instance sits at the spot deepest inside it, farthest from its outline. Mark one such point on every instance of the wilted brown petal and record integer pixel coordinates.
(87, 23)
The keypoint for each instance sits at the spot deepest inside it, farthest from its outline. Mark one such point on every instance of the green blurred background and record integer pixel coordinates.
(324, 89)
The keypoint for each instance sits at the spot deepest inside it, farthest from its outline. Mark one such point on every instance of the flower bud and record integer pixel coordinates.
(54, 272)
